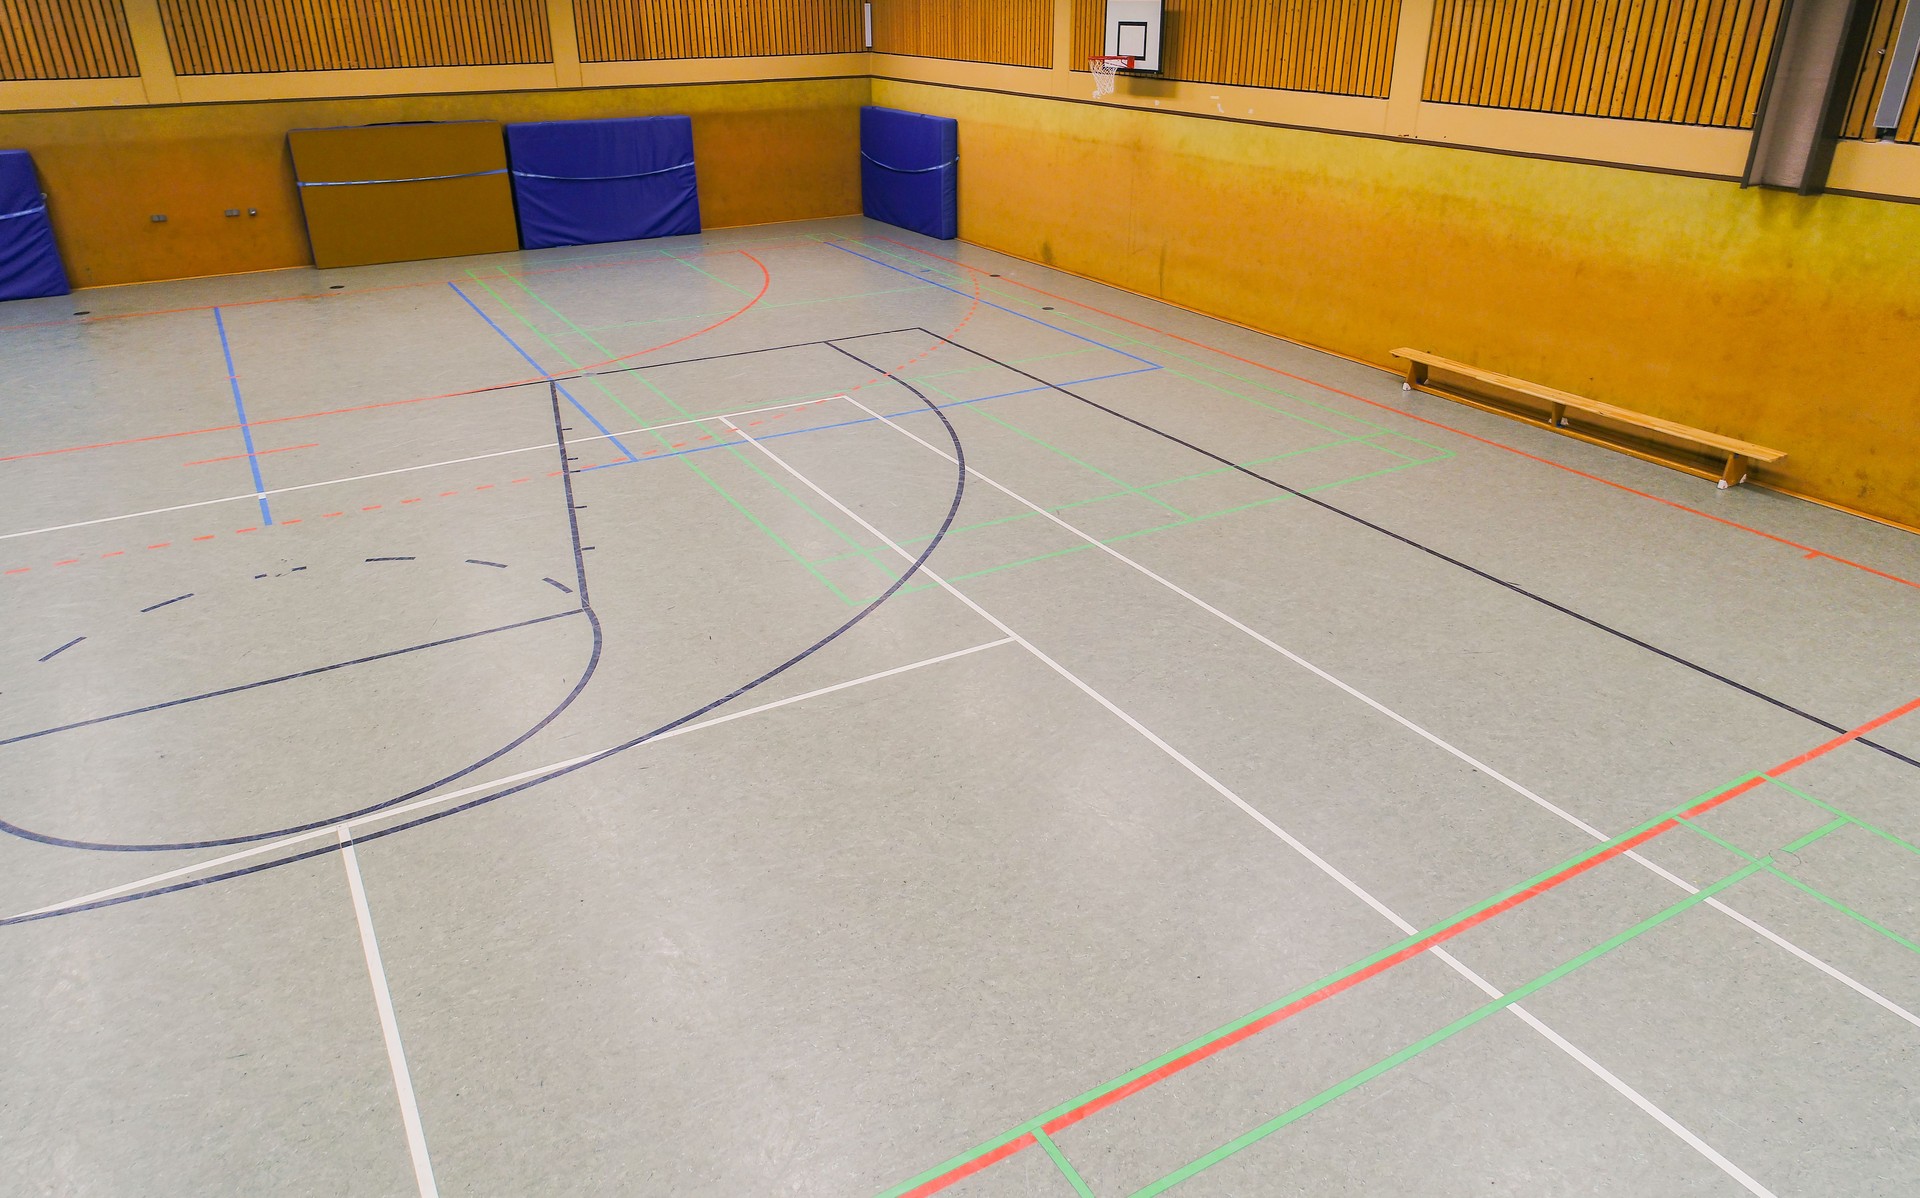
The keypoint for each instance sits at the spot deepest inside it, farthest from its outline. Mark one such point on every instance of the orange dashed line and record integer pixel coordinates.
(115, 553)
(415, 499)
(238, 531)
(678, 445)
(447, 494)
(295, 520)
(70, 561)
(20, 570)
(518, 481)
(161, 545)
(484, 487)
(703, 439)
(208, 537)
(555, 473)
(330, 515)
(755, 423)
(372, 507)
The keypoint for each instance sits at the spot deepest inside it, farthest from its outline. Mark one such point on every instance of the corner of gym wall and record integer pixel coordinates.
(1783, 319)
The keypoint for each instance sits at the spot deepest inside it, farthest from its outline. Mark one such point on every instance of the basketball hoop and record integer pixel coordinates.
(1106, 68)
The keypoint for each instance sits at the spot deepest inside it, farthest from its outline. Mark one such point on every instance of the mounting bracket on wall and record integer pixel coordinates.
(1803, 100)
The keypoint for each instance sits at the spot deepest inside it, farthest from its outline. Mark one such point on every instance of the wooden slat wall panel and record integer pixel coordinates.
(633, 30)
(1692, 62)
(1014, 32)
(65, 39)
(1872, 77)
(1340, 46)
(226, 37)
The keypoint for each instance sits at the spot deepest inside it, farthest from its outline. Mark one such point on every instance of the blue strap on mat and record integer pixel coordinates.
(910, 170)
(416, 179)
(30, 263)
(585, 182)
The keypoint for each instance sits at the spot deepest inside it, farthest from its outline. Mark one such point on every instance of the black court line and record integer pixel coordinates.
(594, 374)
(474, 561)
(62, 649)
(953, 511)
(1402, 538)
(564, 588)
(247, 686)
(389, 559)
(579, 685)
(165, 602)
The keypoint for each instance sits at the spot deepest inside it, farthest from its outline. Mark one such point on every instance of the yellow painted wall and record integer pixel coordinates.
(1785, 320)
(767, 152)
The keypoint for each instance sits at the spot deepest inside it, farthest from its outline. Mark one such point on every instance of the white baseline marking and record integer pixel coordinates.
(259, 850)
(389, 1023)
(1321, 863)
(356, 478)
(1857, 986)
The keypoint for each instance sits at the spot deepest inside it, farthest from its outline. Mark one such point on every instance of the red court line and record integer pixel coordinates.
(288, 299)
(766, 281)
(235, 457)
(1810, 550)
(1432, 940)
(962, 1172)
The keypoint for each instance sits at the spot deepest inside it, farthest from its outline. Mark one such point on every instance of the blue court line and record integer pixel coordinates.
(246, 430)
(1009, 311)
(591, 418)
(821, 428)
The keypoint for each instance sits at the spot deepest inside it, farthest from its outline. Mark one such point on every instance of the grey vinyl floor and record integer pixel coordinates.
(811, 710)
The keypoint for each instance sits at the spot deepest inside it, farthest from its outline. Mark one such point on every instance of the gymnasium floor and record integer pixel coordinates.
(686, 777)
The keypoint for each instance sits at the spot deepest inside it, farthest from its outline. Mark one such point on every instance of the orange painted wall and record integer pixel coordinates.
(767, 152)
(1787, 320)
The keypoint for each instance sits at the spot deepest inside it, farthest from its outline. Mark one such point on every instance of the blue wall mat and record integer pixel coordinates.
(910, 170)
(29, 261)
(581, 182)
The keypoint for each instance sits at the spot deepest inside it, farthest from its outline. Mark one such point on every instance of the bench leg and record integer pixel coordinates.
(1735, 473)
(1559, 417)
(1416, 375)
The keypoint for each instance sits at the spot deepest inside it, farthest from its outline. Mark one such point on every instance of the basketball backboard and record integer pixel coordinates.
(1133, 29)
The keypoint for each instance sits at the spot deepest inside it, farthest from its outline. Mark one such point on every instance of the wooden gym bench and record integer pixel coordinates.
(1659, 434)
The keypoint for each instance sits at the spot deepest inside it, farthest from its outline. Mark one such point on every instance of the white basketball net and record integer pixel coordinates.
(1105, 73)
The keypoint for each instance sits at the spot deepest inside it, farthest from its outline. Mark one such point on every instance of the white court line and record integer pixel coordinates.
(1857, 986)
(258, 850)
(389, 1024)
(1326, 867)
(355, 478)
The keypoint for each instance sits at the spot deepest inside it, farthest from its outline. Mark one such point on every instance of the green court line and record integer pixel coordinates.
(873, 554)
(716, 278)
(1080, 462)
(1331, 1093)
(1127, 536)
(1112, 336)
(1060, 1161)
(1338, 975)
(632, 324)
(1863, 825)
(1843, 821)
(738, 455)
(960, 528)
(943, 374)
(545, 265)
(1814, 835)
(725, 494)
